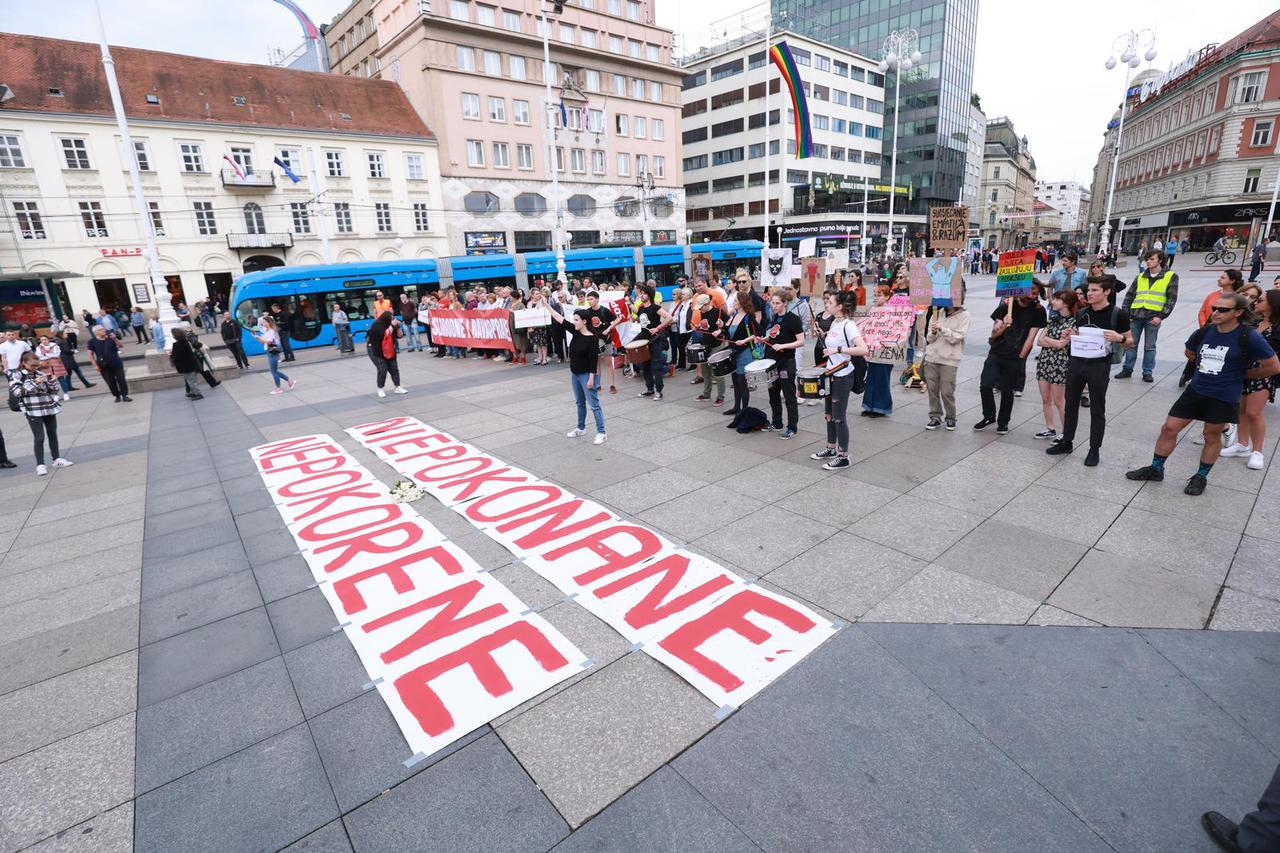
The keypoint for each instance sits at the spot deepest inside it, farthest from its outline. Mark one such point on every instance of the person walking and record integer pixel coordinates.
(1256, 259)
(1149, 303)
(1170, 252)
(105, 352)
(269, 337)
(841, 345)
(71, 329)
(1222, 351)
(157, 331)
(945, 339)
(381, 348)
(67, 355)
(584, 371)
(1051, 361)
(50, 355)
(231, 333)
(1011, 340)
(784, 340)
(37, 396)
(408, 311)
(183, 358)
(138, 321)
(1257, 832)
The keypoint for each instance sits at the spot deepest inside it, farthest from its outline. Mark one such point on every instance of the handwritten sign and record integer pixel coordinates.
(921, 288)
(530, 317)
(885, 331)
(948, 228)
(837, 259)
(1013, 277)
(813, 276)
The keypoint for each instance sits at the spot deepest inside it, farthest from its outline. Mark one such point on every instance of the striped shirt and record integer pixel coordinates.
(38, 393)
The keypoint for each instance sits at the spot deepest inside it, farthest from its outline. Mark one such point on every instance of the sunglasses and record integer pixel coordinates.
(1218, 309)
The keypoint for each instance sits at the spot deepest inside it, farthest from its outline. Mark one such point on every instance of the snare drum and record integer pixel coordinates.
(695, 354)
(721, 363)
(812, 383)
(637, 351)
(762, 370)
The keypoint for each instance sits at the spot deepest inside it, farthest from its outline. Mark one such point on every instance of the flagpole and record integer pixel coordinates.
(768, 128)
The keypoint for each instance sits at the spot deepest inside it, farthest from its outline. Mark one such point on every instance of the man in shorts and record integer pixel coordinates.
(1222, 351)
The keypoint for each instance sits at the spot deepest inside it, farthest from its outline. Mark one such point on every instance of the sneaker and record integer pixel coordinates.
(657, 396)
(1195, 485)
(601, 438)
(1124, 373)
(703, 397)
(951, 424)
(1221, 829)
(1059, 448)
(1002, 430)
(982, 424)
(837, 463)
(382, 392)
(41, 471)
(62, 463)
(1017, 393)
(787, 434)
(127, 399)
(1256, 461)
(768, 428)
(645, 394)
(400, 390)
(825, 453)
(1146, 473)
(66, 396)
(1046, 433)
(811, 402)
(1091, 459)
(1237, 450)
(292, 382)
(697, 380)
(1228, 435)
(275, 391)
(933, 423)
(719, 401)
(1147, 377)
(574, 433)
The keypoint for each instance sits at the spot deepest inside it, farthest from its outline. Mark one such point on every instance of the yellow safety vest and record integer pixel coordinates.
(1151, 292)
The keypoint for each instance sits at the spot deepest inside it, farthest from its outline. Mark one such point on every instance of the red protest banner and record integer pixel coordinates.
(471, 329)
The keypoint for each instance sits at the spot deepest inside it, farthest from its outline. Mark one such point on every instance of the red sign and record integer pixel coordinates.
(488, 329)
(121, 251)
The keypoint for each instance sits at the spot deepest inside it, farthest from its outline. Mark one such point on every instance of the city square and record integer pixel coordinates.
(605, 426)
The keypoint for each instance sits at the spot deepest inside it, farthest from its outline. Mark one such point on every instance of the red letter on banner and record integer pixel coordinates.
(473, 482)
(378, 427)
(328, 499)
(550, 529)
(730, 615)
(425, 704)
(613, 561)
(450, 603)
(312, 533)
(651, 608)
(394, 570)
(549, 492)
(369, 543)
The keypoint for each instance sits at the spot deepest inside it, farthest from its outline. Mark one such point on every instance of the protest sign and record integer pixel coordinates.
(948, 228)
(945, 280)
(729, 640)
(837, 259)
(775, 267)
(701, 266)
(885, 331)
(1013, 276)
(813, 276)
(528, 318)
(921, 288)
(487, 329)
(448, 647)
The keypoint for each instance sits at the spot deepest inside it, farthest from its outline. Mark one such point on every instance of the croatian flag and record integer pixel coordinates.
(283, 165)
(234, 165)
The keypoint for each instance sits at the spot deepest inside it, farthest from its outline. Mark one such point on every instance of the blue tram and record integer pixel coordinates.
(309, 292)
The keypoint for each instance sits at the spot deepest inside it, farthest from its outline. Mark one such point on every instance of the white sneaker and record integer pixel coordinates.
(381, 393)
(400, 390)
(1237, 450)
(574, 433)
(1256, 461)
(67, 463)
(275, 391)
(41, 470)
(66, 396)
(601, 438)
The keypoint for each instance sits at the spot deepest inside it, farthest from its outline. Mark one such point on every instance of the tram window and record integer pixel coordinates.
(664, 274)
(612, 278)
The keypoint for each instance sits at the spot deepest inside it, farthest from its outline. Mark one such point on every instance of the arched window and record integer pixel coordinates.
(254, 222)
(481, 202)
(581, 205)
(530, 204)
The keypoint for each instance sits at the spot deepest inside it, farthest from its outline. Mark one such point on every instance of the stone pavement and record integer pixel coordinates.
(169, 682)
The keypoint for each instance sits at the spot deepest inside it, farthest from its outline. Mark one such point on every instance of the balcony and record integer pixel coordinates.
(251, 181)
(273, 240)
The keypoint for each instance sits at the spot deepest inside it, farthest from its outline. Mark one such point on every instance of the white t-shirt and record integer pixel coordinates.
(841, 334)
(12, 352)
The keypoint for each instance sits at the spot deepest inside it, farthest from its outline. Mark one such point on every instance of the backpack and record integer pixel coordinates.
(15, 397)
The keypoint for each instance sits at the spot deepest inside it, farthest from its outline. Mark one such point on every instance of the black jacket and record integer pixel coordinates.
(230, 330)
(184, 357)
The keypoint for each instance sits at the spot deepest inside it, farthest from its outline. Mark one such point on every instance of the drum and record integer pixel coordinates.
(695, 354)
(812, 383)
(721, 363)
(762, 370)
(637, 352)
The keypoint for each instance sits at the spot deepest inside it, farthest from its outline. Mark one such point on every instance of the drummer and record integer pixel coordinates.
(601, 321)
(784, 339)
(818, 330)
(653, 322)
(842, 343)
(710, 324)
(740, 333)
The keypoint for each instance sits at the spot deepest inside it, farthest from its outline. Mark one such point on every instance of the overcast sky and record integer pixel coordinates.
(1045, 73)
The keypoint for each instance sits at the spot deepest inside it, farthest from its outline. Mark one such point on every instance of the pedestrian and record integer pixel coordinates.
(342, 329)
(740, 334)
(183, 358)
(50, 355)
(818, 331)
(425, 304)
(381, 347)
(409, 320)
(157, 331)
(1257, 832)
(231, 336)
(138, 321)
(1223, 350)
(381, 304)
(1051, 361)
(654, 321)
(1069, 276)
(1252, 435)
(708, 324)
(584, 371)
(1011, 340)
(71, 329)
(1256, 258)
(945, 338)
(183, 312)
(1170, 252)
(105, 352)
(841, 345)
(1149, 303)
(283, 318)
(539, 336)
(602, 322)
(11, 351)
(68, 357)
(784, 340)
(681, 312)
(1229, 281)
(270, 340)
(1090, 366)
(37, 396)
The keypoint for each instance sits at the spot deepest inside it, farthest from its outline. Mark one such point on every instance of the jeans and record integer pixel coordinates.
(65, 382)
(1002, 373)
(385, 366)
(784, 387)
(837, 409)
(344, 338)
(1096, 374)
(655, 369)
(75, 368)
(414, 341)
(940, 379)
(41, 425)
(585, 396)
(1168, 261)
(273, 365)
(1145, 330)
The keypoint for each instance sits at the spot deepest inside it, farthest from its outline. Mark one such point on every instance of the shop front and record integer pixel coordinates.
(32, 300)
(1203, 226)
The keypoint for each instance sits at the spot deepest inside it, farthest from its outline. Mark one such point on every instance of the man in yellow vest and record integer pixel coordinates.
(1149, 302)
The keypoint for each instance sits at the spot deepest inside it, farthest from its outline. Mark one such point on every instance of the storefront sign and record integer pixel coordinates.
(1218, 214)
(121, 252)
(141, 293)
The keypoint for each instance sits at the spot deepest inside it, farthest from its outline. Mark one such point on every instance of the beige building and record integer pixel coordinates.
(474, 71)
(1008, 188)
(352, 39)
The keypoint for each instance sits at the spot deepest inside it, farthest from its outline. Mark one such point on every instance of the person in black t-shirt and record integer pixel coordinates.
(600, 322)
(1092, 372)
(1011, 340)
(584, 370)
(653, 322)
(783, 339)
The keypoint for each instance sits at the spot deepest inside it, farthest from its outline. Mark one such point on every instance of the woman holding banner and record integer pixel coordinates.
(584, 370)
(538, 335)
(842, 343)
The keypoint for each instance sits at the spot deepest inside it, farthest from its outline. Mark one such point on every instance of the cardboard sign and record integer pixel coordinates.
(837, 259)
(775, 267)
(701, 266)
(885, 331)
(1014, 273)
(726, 638)
(921, 288)
(479, 329)
(945, 280)
(948, 228)
(448, 647)
(813, 276)
(528, 318)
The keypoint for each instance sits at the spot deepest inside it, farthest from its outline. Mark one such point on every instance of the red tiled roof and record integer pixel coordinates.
(195, 89)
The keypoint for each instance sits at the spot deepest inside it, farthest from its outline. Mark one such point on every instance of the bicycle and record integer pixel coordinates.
(1227, 257)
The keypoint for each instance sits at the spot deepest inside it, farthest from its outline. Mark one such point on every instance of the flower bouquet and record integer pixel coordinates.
(406, 491)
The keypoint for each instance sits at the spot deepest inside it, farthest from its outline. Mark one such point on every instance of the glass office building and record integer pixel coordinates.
(934, 124)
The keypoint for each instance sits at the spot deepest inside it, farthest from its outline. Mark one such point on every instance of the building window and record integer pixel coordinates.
(466, 58)
(1251, 179)
(421, 220)
(634, 47)
(520, 112)
(492, 63)
(475, 152)
(873, 132)
(994, 193)
(470, 106)
(333, 160)
(655, 92)
(652, 53)
(595, 120)
(518, 71)
(458, 10)
(637, 89)
(530, 204)
(694, 163)
(342, 216)
(486, 16)
(821, 123)
(588, 39)
(659, 166)
(524, 156)
(413, 167)
(559, 159)
(1249, 87)
(622, 125)
(511, 21)
(640, 128)
(95, 224)
(382, 217)
(480, 202)
(498, 109)
(11, 152)
(75, 152)
(874, 106)
(633, 10)
(578, 160)
(755, 150)
(206, 224)
(619, 82)
(597, 162)
(192, 156)
(301, 217)
(626, 207)
(254, 221)
(642, 165)
(624, 165)
(157, 222)
(567, 34)
(141, 155)
(242, 157)
(501, 156)
(291, 158)
(615, 45)
(1262, 133)
(729, 155)
(377, 164)
(581, 205)
(659, 129)
(30, 224)
(615, 7)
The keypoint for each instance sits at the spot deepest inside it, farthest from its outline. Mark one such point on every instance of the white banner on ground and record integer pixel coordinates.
(448, 647)
(721, 633)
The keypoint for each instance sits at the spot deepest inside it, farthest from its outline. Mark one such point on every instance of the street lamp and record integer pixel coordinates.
(1128, 46)
(900, 53)
(548, 71)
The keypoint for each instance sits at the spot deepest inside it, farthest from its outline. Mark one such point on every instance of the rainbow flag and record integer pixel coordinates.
(781, 56)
